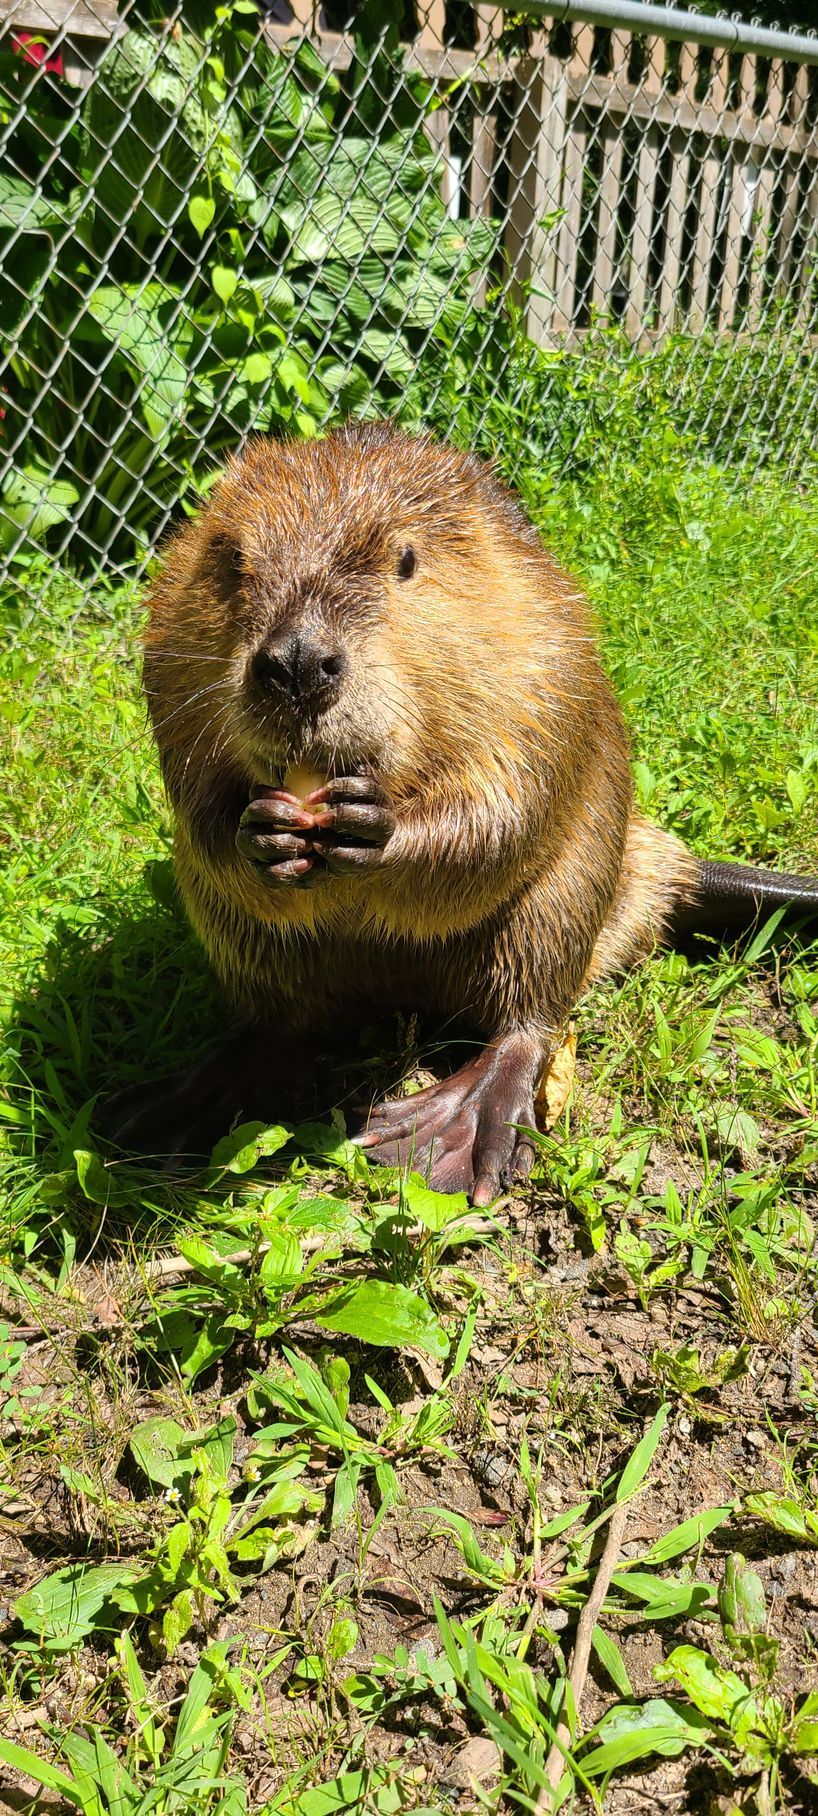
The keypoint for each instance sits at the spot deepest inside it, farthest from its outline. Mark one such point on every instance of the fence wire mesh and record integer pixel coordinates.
(222, 222)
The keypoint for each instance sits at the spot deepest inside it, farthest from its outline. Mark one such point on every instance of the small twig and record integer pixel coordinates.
(170, 1266)
(555, 1763)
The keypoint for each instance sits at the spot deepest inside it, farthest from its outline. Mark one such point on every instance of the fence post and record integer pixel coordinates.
(536, 149)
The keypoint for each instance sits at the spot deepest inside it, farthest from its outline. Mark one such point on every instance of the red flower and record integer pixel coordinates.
(35, 50)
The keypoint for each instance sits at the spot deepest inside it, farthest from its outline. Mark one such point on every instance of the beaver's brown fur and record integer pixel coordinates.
(515, 867)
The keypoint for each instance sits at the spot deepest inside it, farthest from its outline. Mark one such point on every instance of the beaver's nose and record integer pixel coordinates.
(301, 666)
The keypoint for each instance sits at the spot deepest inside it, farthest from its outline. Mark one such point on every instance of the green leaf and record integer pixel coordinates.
(637, 1468)
(347, 1795)
(216, 1442)
(245, 1146)
(742, 1605)
(610, 1657)
(805, 1737)
(640, 1729)
(663, 1598)
(27, 211)
(387, 1314)
(757, 1050)
(737, 1129)
(201, 209)
(200, 1348)
(282, 1263)
(155, 1447)
(148, 328)
(342, 1638)
(177, 1621)
(784, 1515)
(21, 1759)
(225, 282)
(716, 1692)
(148, 94)
(690, 1533)
(95, 1180)
(256, 369)
(195, 1707)
(333, 227)
(65, 1606)
(35, 502)
(763, 937)
(435, 1209)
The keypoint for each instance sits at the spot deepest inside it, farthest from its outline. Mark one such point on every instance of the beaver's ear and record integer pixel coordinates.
(228, 549)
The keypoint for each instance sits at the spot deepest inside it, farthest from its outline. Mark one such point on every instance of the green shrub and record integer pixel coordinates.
(231, 238)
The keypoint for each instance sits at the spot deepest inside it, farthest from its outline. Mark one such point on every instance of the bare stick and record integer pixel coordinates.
(168, 1267)
(555, 1762)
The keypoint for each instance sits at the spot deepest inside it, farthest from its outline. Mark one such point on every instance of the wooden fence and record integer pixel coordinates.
(657, 184)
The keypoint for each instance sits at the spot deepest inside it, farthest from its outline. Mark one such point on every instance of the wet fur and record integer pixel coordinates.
(519, 870)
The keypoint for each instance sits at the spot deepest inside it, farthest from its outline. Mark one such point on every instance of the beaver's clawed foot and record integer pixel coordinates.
(339, 830)
(178, 1119)
(465, 1134)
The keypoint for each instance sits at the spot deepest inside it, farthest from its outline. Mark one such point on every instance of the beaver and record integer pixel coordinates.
(400, 778)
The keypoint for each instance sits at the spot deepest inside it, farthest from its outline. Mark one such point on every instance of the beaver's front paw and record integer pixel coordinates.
(354, 822)
(274, 836)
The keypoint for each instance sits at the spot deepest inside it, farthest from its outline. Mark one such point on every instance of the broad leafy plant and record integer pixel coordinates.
(230, 238)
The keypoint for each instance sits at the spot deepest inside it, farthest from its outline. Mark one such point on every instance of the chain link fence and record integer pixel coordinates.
(225, 221)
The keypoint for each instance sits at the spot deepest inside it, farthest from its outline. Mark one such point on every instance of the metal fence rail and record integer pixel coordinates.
(221, 222)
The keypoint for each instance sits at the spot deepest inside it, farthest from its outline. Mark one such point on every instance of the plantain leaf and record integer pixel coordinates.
(384, 1313)
(66, 1606)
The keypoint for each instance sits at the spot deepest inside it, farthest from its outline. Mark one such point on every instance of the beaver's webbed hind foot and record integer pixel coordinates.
(464, 1134)
(179, 1118)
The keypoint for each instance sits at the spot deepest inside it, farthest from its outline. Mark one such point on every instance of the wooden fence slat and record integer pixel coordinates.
(642, 234)
(536, 154)
(774, 105)
(762, 206)
(484, 121)
(432, 16)
(437, 126)
(705, 240)
(808, 263)
(610, 190)
(571, 223)
(738, 203)
(655, 67)
(719, 80)
(790, 206)
(483, 157)
(582, 50)
(77, 18)
(800, 95)
(304, 16)
(734, 240)
(675, 212)
(688, 65)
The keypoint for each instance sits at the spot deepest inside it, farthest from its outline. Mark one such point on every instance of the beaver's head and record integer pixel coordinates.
(344, 603)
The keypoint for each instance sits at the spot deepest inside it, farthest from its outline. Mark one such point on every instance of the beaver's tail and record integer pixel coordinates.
(730, 899)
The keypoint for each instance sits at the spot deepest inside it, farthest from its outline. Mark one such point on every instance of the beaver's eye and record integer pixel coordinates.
(406, 564)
